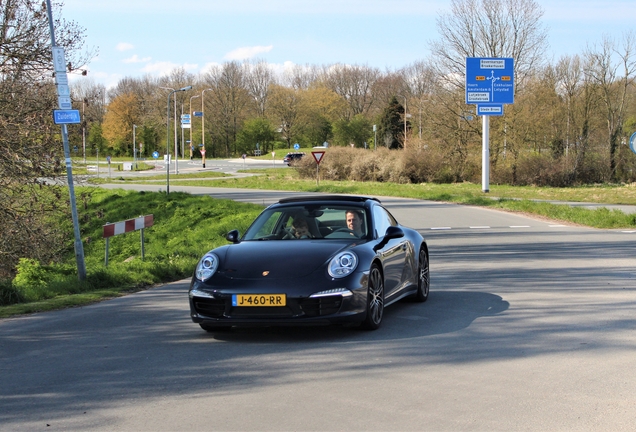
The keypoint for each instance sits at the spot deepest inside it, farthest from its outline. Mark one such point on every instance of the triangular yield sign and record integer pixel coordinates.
(318, 156)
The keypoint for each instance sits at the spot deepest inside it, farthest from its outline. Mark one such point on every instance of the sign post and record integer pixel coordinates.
(317, 157)
(489, 85)
(64, 103)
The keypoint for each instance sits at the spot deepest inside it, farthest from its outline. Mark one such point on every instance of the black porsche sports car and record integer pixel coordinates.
(311, 260)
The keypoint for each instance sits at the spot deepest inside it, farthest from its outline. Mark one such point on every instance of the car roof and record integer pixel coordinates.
(339, 198)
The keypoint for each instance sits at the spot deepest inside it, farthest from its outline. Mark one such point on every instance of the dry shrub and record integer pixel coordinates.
(368, 165)
(541, 169)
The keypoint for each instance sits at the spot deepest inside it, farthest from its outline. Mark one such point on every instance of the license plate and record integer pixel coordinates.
(259, 300)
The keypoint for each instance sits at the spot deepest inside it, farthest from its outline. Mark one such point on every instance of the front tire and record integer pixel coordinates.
(375, 299)
(423, 277)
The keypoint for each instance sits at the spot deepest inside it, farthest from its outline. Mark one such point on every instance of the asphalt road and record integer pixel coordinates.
(530, 325)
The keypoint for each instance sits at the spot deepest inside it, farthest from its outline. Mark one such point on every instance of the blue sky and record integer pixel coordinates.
(139, 37)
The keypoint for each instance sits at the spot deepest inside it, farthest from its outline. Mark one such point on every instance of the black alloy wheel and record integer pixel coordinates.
(423, 277)
(375, 299)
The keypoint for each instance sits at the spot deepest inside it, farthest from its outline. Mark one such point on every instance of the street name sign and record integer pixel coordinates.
(490, 109)
(66, 116)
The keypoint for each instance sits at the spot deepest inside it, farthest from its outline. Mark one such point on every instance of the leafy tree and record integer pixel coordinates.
(357, 131)
(256, 130)
(123, 112)
(391, 127)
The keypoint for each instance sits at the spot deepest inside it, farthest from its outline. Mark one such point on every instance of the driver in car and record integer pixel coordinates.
(354, 222)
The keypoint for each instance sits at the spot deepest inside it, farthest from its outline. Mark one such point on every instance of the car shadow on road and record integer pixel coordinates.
(444, 312)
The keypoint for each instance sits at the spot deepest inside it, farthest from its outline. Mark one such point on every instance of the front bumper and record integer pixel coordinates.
(335, 301)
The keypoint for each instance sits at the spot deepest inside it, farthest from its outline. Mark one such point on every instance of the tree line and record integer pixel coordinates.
(570, 122)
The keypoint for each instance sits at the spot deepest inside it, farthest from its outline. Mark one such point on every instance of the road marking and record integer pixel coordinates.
(479, 227)
(520, 226)
(557, 226)
(441, 228)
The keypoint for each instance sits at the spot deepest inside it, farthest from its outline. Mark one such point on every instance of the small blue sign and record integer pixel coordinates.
(198, 113)
(490, 81)
(632, 143)
(155, 154)
(296, 146)
(490, 109)
(66, 116)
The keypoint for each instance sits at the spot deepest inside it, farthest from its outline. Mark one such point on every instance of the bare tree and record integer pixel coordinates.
(354, 84)
(258, 79)
(612, 68)
(228, 99)
(490, 28)
(29, 141)
(300, 77)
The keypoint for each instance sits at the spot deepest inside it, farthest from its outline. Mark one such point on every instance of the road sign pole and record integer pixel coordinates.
(79, 247)
(485, 155)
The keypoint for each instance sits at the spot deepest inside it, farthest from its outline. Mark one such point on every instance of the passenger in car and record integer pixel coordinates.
(354, 222)
(301, 228)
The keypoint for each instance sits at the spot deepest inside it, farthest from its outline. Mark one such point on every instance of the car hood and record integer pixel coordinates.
(280, 259)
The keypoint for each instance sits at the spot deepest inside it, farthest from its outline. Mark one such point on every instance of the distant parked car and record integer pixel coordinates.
(290, 158)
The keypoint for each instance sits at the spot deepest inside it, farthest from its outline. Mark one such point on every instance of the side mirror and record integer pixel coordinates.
(232, 236)
(392, 232)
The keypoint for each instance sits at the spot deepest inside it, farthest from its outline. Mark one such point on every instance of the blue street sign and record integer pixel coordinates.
(155, 154)
(66, 116)
(632, 143)
(198, 113)
(490, 109)
(296, 146)
(490, 80)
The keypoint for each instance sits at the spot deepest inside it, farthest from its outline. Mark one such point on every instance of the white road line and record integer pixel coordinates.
(558, 226)
(479, 227)
(441, 228)
(520, 226)
(629, 232)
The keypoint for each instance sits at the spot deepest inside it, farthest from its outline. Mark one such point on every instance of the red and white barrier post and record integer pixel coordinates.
(112, 229)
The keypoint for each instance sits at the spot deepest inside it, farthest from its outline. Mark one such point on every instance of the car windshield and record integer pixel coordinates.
(310, 221)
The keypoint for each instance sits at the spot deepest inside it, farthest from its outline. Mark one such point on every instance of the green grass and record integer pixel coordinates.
(187, 226)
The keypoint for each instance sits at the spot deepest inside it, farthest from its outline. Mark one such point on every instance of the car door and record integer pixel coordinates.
(394, 252)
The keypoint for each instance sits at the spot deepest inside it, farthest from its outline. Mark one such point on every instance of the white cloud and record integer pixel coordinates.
(135, 59)
(164, 68)
(124, 46)
(245, 53)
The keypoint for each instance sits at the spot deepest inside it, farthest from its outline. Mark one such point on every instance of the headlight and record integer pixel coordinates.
(207, 266)
(343, 264)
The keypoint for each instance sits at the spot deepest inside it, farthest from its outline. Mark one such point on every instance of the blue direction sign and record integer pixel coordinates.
(198, 113)
(490, 80)
(155, 154)
(66, 116)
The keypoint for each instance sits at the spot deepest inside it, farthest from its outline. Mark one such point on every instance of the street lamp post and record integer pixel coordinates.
(168, 134)
(84, 130)
(405, 122)
(134, 144)
(203, 125)
(176, 158)
(191, 123)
